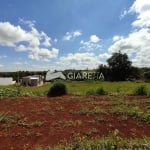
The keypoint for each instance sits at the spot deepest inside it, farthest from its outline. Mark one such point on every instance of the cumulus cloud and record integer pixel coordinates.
(46, 39)
(79, 61)
(10, 34)
(137, 43)
(71, 35)
(93, 44)
(94, 39)
(142, 9)
(44, 54)
(117, 38)
(135, 40)
(36, 43)
(105, 56)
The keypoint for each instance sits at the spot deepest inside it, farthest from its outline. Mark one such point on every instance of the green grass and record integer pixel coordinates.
(141, 90)
(114, 142)
(134, 112)
(81, 87)
(15, 90)
(9, 120)
(88, 111)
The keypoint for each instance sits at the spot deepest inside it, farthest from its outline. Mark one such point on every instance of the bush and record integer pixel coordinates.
(141, 90)
(57, 89)
(8, 92)
(100, 91)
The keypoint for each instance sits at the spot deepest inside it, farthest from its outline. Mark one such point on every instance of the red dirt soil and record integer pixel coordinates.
(49, 121)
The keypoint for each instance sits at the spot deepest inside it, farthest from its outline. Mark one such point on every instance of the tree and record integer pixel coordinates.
(147, 76)
(119, 66)
(105, 70)
(135, 73)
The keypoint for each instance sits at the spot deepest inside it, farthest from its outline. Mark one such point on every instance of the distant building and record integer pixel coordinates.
(6, 81)
(35, 80)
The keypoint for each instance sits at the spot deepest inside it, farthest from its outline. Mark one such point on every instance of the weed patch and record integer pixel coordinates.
(90, 92)
(9, 120)
(134, 112)
(141, 90)
(101, 91)
(113, 142)
(89, 111)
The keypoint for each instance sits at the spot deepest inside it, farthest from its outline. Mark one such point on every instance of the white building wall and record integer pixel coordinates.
(6, 81)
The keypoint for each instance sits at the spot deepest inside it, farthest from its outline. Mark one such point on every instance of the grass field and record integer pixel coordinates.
(81, 87)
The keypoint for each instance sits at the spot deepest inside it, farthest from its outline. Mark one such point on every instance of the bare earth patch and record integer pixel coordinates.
(27, 122)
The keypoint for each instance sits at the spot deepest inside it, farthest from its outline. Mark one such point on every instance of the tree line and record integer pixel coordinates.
(118, 68)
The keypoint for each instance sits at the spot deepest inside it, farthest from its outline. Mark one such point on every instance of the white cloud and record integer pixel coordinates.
(123, 14)
(104, 56)
(31, 24)
(67, 36)
(23, 66)
(46, 40)
(36, 43)
(92, 45)
(142, 59)
(77, 33)
(136, 45)
(117, 38)
(94, 39)
(21, 48)
(10, 34)
(44, 54)
(79, 61)
(71, 35)
(142, 8)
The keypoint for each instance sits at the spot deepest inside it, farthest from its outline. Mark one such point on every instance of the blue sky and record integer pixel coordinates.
(72, 34)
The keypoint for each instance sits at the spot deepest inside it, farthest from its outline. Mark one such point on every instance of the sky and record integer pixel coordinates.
(72, 34)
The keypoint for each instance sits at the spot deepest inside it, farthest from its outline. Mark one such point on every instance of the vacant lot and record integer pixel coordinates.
(81, 87)
(40, 122)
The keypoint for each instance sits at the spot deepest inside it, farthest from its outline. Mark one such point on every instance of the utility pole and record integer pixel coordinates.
(18, 77)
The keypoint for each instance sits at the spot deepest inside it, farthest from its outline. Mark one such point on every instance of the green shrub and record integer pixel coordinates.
(100, 91)
(8, 92)
(90, 92)
(141, 90)
(57, 89)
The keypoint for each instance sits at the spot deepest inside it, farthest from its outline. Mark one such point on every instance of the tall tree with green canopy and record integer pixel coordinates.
(119, 66)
